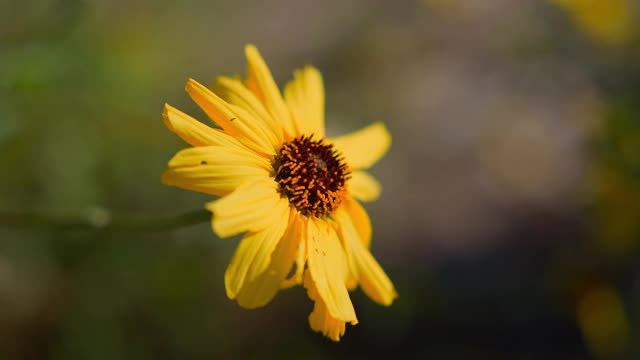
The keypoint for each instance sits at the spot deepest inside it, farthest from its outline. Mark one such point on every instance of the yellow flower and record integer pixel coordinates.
(290, 190)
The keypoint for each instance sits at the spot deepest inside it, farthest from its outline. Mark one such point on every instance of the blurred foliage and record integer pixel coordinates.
(610, 23)
(509, 220)
(616, 179)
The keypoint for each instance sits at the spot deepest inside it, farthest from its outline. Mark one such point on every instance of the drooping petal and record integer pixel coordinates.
(251, 259)
(260, 81)
(216, 170)
(345, 226)
(320, 319)
(360, 219)
(193, 131)
(350, 278)
(328, 270)
(305, 97)
(364, 147)
(373, 280)
(234, 91)
(260, 290)
(251, 207)
(363, 186)
(235, 121)
(300, 260)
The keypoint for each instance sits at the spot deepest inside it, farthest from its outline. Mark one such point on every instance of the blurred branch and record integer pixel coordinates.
(102, 220)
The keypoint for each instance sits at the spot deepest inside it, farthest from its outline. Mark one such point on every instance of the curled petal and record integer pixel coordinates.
(328, 270)
(320, 319)
(251, 259)
(261, 289)
(300, 260)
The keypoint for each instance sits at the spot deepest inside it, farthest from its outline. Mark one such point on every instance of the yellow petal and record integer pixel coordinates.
(364, 147)
(360, 219)
(252, 258)
(350, 277)
(364, 186)
(235, 121)
(327, 267)
(193, 131)
(321, 320)
(301, 259)
(305, 97)
(249, 208)
(259, 291)
(373, 280)
(234, 91)
(216, 170)
(346, 228)
(260, 81)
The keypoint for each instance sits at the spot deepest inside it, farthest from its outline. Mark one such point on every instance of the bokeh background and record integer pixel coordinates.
(509, 221)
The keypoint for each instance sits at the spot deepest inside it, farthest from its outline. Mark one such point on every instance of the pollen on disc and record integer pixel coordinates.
(312, 174)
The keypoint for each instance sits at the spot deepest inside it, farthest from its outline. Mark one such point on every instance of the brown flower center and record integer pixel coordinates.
(312, 174)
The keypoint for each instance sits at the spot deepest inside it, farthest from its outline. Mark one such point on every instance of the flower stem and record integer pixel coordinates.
(101, 220)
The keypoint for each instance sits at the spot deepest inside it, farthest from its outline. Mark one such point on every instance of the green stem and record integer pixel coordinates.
(101, 220)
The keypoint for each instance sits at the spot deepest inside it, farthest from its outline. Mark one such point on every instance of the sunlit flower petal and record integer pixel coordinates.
(301, 259)
(360, 220)
(364, 186)
(364, 147)
(233, 119)
(320, 319)
(373, 280)
(193, 131)
(252, 258)
(305, 97)
(234, 91)
(327, 268)
(216, 170)
(262, 288)
(251, 207)
(260, 81)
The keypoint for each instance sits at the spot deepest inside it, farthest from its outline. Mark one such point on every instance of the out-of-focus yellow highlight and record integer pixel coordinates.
(607, 22)
(603, 321)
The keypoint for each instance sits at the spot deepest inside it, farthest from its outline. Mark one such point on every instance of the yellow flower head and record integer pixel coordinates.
(290, 190)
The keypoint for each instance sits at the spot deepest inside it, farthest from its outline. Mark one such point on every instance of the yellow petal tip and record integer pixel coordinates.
(166, 116)
(251, 50)
(384, 131)
(168, 177)
(231, 293)
(392, 297)
(190, 83)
